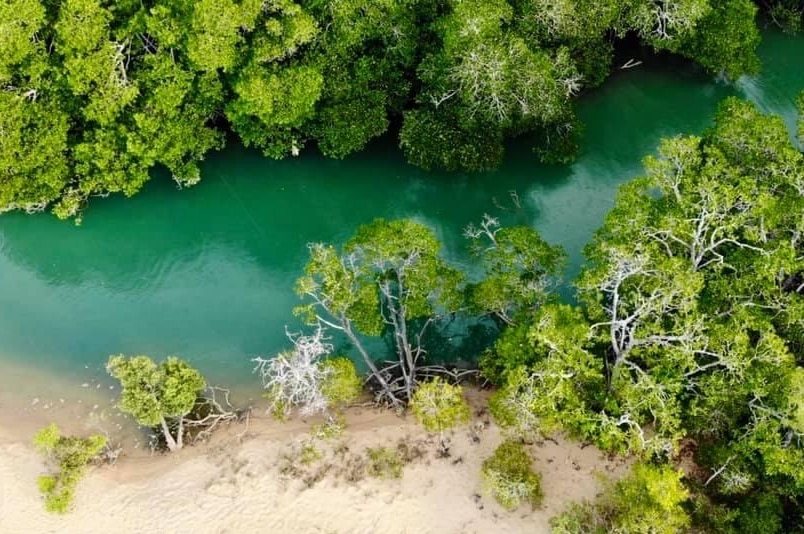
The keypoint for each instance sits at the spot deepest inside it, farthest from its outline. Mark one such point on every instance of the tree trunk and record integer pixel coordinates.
(171, 443)
(347, 329)
(180, 436)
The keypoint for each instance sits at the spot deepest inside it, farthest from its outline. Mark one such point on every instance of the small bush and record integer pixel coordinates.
(332, 428)
(341, 385)
(384, 462)
(71, 456)
(309, 453)
(439, 405)
(508, 476)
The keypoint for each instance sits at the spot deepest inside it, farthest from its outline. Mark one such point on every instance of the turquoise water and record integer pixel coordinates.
(207, 273)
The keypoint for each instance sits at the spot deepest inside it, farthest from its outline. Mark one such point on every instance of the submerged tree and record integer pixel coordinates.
(158, 395)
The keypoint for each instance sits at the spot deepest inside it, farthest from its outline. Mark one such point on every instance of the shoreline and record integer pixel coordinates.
(234, 482)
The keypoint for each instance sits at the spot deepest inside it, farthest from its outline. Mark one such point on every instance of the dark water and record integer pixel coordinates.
(207, 273)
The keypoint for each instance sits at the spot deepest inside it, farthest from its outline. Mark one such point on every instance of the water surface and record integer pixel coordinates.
(207, 273)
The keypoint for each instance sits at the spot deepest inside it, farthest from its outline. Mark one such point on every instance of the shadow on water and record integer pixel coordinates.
(207, 272)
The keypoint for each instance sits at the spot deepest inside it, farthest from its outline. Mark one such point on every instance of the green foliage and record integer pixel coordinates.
(155, 393)
(341, 385)
(510, 351)
(509, 477)
(521, 269)
(801, 117)
(787, 14)
(554, 389)
(70, 456)
(648, 501)
(384, 462)
(437, 140)
(438, 405)
(389, 275)
(309, 454)
(96, 95)
(689, 319)
(19, 22)
(33, 162)
(725, 39)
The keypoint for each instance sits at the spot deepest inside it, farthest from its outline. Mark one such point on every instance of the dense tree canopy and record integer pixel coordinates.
(95, 95)
(158, 394)
(689, 328)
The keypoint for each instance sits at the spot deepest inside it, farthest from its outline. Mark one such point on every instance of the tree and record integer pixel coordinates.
(302, 378)
(95, 96)
(33, 147)
(483, 83)
(725, 40)
(521, 269)
(689, 320)
(70, 455)
(787, 14)
(366, 53)
(275, 93)
(158, 395)
(389, 277)
(19, 22)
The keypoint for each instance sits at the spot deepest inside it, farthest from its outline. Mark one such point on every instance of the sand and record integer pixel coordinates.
(239, 481)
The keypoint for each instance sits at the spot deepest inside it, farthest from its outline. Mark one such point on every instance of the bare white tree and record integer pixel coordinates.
(293, 378)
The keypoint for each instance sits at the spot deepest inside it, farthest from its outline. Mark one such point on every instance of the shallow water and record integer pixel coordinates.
(207, 273)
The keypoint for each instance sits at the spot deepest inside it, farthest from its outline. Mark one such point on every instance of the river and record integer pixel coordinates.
(207, 273)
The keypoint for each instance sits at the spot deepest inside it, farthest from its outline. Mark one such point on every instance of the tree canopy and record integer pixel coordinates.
(157, 395)
(95, 96)
(688, 331)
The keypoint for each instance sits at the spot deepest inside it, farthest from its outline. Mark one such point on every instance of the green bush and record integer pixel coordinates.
(648, 501)
(342, 384)
(70, 456)
(439, 406)
(509, 477)
(384, 462)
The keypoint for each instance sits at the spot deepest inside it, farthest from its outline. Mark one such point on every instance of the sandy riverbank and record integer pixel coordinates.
(240, 481)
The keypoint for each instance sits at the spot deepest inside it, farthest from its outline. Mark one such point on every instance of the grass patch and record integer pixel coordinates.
(384, 462)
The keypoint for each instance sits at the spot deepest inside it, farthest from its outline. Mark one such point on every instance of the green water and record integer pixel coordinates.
(207, 273)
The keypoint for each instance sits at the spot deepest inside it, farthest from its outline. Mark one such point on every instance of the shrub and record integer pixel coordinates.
(439, 406)
(648, 501)
(509, 477)
(332, 428)
(71, 456)
(341, 385)
(309, 453)
(384, 462)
